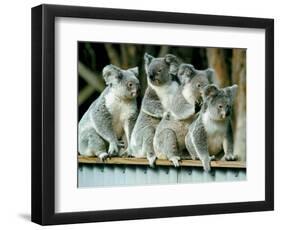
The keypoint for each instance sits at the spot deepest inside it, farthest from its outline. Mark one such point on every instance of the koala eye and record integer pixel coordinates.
(198, 85)
(220, 106)
(130, 84)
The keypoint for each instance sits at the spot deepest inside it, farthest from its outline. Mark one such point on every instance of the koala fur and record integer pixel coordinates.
(169, 139)
(162, 85)
(211, 132)
(111, 115)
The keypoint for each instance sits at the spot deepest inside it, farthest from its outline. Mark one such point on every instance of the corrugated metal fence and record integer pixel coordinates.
(100, 175)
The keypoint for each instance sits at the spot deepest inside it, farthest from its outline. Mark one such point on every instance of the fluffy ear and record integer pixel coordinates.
(111, 74)
(147, 58)
(231, 91)
(190, 70)
(210, 75)
(173, 61)
(135, 70)
(185, 72)
(210, 90)
(170, 58)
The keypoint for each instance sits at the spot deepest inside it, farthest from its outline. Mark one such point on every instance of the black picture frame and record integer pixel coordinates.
(43, 114)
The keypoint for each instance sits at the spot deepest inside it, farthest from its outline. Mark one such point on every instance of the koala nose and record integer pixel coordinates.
(151, 77)
(227, 112)
(134, 92)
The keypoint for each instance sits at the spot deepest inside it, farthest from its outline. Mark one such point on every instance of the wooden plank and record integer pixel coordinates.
(142, 161)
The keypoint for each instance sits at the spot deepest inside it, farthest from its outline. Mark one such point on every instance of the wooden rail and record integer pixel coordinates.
(140, 161)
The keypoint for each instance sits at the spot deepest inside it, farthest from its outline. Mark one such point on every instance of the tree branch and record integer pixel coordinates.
(90, 77)
(112, 54)
(124, 56)
(163, 51)
(216, 59)
(85, 93)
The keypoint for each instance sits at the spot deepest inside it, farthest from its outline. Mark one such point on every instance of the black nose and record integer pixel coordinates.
(227, 112)
(152, 77)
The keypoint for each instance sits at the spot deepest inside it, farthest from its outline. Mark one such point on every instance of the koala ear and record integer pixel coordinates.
(147, 58)
(172, 60)
(210, 90)
(190, 70)
(111, 73)
(210, 75)
(231, 91)
(185, 72)
(135, 70)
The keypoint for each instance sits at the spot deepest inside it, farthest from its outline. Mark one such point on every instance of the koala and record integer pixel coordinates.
(211, 132)
(111, 116)
(162, 85)
(169, 139)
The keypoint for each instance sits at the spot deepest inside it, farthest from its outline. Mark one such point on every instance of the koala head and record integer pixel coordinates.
(124, 82)
(194, 81)
(218, 102)
(160, 71)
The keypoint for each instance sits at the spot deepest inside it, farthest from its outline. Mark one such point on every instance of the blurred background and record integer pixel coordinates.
(229, 64)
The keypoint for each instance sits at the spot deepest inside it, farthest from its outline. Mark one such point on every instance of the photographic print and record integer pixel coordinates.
(161, 105)
(160, 114)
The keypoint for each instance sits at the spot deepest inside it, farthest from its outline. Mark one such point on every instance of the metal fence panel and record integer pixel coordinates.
(92, 175)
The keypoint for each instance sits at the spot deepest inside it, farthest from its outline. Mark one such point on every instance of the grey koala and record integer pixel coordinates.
(211, 132)
(162, 85)
(111, 115)
(169, 139)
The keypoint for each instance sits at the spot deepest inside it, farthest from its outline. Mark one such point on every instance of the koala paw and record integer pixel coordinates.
(113, 149)
(151, 159)
(206, 165)
(229, 157)
(103, 156)
(175, 160)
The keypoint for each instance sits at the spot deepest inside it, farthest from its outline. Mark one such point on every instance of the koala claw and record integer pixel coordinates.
(103, 156)
(229, 157)
(151, 160)
(206, 165)
(207, 168)
(175, 160)
(113, 149)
